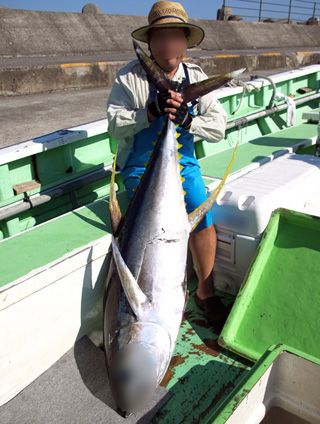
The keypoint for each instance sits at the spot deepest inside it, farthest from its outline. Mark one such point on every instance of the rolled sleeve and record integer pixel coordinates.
(210, 118)
(210, 122)
(125, 123)
(125, 115)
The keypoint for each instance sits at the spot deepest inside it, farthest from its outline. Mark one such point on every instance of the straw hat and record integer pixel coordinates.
(169, 14)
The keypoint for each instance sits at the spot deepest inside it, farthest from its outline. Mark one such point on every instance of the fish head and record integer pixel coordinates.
(133, 377)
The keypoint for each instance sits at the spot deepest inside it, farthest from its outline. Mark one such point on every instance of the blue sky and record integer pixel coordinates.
(202, 9)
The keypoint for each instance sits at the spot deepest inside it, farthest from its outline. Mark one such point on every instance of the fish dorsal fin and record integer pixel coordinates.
(196, 216)
(135, 296)
(114, 208)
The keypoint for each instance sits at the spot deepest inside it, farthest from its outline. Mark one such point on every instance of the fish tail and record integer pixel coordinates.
(196, 216)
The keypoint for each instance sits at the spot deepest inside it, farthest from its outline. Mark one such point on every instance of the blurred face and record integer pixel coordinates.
(168, 47)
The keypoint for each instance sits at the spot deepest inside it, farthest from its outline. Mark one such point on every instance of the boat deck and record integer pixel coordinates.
(259, 151)
(200, 369)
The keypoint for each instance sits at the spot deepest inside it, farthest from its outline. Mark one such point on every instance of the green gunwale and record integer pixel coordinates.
(226, 409)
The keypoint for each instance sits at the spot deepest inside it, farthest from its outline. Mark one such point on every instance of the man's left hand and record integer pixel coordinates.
(179, 112)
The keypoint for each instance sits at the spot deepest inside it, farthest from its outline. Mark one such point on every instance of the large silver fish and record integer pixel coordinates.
(146, 289)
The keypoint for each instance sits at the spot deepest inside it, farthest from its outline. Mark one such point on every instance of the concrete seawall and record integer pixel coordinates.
(34, 33)
(47, 34)
(37, 79)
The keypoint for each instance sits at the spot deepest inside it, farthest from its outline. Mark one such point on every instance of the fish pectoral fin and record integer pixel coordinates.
(196, 216)
(135, 296)
(201, 88)
(114, 208)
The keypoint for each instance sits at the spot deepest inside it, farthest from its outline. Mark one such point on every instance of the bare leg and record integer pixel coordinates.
(203, 248)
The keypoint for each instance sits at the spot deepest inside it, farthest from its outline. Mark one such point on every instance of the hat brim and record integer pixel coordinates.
(194, 39)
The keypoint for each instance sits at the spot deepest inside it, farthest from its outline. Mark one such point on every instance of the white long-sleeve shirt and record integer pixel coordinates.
(129, 98)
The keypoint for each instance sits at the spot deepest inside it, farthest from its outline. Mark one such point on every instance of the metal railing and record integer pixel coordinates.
(295, 10)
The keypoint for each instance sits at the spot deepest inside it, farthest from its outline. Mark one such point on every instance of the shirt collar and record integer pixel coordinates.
(180, 74)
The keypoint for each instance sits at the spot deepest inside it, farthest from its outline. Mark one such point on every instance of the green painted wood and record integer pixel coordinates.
(6, 189)
(201, 373)
(21, 170)
(72, 160)
(310, 150)
(279, 298)
(256, 150)
(43, 244)
(208, 181)
(252, 130)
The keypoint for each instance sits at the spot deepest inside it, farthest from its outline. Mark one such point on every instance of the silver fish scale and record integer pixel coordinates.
(155, 251)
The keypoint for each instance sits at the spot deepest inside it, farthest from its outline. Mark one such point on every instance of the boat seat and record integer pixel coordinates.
(52, 240)
(258, 151)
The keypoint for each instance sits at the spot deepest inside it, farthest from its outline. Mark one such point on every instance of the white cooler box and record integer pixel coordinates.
(243, 208)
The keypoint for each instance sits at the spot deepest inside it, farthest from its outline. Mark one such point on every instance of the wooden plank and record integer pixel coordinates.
(25, 186)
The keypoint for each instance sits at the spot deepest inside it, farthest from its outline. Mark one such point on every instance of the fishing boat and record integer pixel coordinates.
(55, 237)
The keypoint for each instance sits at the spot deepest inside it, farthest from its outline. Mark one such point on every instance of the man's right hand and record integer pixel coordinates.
(157, 108)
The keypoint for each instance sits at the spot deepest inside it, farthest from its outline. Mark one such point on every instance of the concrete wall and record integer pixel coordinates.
(37, 79)
(242, 35)
(34, 33)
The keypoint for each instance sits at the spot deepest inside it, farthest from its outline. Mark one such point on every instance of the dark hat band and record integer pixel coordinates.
(167, 16)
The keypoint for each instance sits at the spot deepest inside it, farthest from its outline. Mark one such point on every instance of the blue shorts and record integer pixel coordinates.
(194, 187)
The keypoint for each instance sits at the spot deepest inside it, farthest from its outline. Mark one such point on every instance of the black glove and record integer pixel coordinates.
(157, 107)
(182, 116)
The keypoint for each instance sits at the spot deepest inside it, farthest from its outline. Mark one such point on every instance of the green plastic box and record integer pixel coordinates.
(282, 388)
(279, 300)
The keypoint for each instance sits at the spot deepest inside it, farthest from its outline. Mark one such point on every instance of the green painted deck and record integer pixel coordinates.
(256, 150)
(201, 374)
(48, 242)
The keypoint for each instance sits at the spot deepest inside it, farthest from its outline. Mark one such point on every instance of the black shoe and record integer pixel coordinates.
(214, 310)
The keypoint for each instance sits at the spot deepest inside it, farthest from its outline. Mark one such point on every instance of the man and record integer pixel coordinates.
(136, 113)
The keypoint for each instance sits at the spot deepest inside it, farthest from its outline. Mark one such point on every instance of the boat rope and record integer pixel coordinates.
(291, 110)
(253, 77)
(247, 88)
